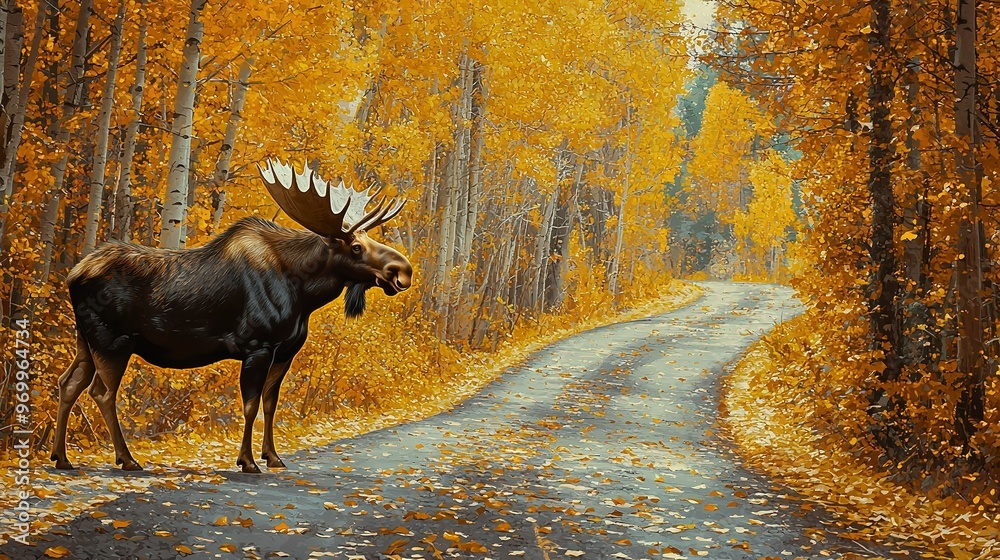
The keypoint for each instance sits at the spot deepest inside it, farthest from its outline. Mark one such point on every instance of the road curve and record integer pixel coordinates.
(600, 446)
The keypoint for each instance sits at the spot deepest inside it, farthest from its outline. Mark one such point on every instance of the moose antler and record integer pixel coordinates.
(324, 208)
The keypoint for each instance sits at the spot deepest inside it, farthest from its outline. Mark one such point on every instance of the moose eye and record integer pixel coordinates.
(356, 248)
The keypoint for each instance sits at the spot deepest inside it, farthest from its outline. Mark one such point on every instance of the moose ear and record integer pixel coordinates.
(336, 243)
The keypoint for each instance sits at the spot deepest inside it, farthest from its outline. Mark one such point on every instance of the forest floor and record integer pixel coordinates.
(772, 415)
(602, 445)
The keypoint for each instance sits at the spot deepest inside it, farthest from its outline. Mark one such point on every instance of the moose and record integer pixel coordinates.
(245, 295)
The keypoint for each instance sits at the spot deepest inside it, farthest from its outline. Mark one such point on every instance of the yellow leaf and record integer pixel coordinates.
(396, 547)
(56, 551)
(185, 550)
(120, 524)
(228, 548)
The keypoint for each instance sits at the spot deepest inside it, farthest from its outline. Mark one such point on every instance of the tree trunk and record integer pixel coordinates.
(10, 39)
(124, 211)
(226, 153)
(9, 76)
(918, 330)
(71, 101)
(103, 125)
(475, 152)
(192, 184)
(473, 192)
(543, 239)
(883, 287)
(972, 364)
(913, 211)
(559, 245)
(445, 248)
(613, 284)
(175, 208)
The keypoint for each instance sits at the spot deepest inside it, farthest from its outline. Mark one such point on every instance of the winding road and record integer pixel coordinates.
(604, 445)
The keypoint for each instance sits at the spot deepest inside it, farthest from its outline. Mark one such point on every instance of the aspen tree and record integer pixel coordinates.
(175, 206)
(103, 125)
(121, 227)
(222, 166)
(71, 101)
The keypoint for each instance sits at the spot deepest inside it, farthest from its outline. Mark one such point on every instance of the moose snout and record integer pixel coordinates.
(400, 275)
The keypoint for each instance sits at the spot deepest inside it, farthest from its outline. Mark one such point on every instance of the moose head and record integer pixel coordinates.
(338, 214)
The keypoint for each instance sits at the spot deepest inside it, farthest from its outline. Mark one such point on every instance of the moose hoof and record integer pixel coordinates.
(63, 464)
(129, 464)
(251, 468)
(275, 463)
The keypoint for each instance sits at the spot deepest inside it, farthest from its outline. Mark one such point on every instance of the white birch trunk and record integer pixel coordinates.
(6, 78)
(542, 242)
(123, 205)
(103, 125)
(614, 284)
(475, 170)
(446, 248)
(226, 154)
(70, 102)
(175, 208)
(17, 117)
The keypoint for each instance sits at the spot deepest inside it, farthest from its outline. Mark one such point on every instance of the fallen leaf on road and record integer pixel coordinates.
(396, 547)
(56, 551)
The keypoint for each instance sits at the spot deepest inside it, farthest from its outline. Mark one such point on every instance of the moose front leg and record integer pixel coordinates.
(252, 376)
(272, 386)
(72, 384)
(104, 390)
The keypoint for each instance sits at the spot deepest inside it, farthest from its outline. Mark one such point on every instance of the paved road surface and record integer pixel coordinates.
(601, 446)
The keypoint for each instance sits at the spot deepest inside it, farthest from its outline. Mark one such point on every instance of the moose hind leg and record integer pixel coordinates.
(105, 393)
(252, 376)
(272, 386)
(72, 383)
